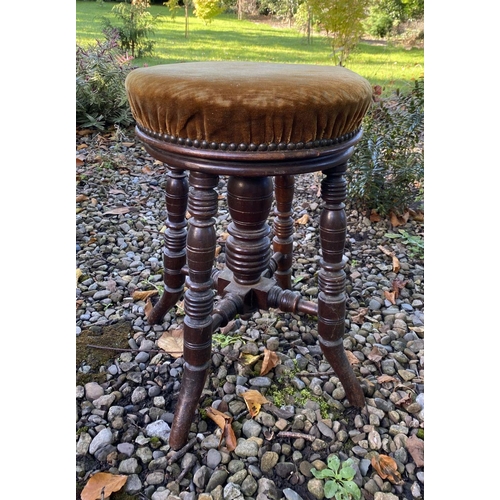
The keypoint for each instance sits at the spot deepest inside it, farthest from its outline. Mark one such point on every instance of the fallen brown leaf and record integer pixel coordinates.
(404, 400)
(387, 468)
(390, 296)
(172, 342)
(353, 360)
(415, 447)
(385, 250)
(102, 482)
(398, 285)
(247, 359)
(385, 378)
(303, 220)
(396, 265)
(360, 317)
(224, 423)
(85, 131)
(270, 361)
(81, 197)
(254, 400)
(143, 294)
(117, 211)
(375, 355)
(374, 217)
(398, 220)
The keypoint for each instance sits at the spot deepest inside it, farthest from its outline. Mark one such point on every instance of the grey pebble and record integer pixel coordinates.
(291, 494)
(104, 437)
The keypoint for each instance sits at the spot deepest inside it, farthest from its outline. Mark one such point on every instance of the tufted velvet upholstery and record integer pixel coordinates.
(247, 103)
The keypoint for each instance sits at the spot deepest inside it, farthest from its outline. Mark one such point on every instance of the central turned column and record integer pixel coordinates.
(248, 248)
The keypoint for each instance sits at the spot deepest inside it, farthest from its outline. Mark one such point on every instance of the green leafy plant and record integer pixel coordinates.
(386, 171)
(101, 98)
(224, 340)
(339, 484)
(135, 28)
(414, 242)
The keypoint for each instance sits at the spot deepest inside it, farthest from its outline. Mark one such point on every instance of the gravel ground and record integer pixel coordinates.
(126, 394)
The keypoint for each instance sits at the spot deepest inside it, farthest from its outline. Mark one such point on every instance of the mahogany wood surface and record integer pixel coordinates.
(252, 278)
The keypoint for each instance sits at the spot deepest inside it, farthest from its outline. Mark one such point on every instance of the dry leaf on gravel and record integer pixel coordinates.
(396, 265)
(117, 211)
(399, 220)
(102, 482)
(385, 378)
(353, 360)
(360, 317)
(270, 361)
(172, 342)
(387, 468)
(375, 355)
(415, 447)
(254, 400)
(247, 359)
(143, 294)
(398, 285)
(303, 220)
(390, 296)
(224, 422)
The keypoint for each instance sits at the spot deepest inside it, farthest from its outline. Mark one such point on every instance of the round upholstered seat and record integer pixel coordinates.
(247, 106)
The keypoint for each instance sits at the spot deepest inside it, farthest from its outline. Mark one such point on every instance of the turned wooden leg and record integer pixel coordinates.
(174, 238)
(331, 280)
(248, 250)
(283, 229)
(198, 302)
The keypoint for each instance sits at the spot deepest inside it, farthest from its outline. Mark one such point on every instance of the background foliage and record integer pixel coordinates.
(101, 70)
(386, 170)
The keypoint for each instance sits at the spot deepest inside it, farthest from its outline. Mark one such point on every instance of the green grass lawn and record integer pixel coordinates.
(228, 38)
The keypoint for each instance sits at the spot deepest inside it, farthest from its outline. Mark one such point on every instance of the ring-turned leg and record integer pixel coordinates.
(198, 302)
(331, 281)
(174, 249)
(283, 229)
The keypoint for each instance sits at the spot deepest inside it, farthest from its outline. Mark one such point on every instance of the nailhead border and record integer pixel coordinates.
(224, 146)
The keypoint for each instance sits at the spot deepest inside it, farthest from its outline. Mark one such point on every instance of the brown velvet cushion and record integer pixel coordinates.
(248, 102)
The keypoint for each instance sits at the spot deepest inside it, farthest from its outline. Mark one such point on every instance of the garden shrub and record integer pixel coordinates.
(135, 27)
(379, 24)
(101, 98)
(386, 171)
